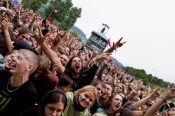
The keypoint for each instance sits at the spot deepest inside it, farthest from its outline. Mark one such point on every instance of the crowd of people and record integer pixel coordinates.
(48, 72)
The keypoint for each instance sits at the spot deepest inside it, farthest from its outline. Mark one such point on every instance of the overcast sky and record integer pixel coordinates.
(148, 26)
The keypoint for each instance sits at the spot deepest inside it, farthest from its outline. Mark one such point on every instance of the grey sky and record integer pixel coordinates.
(148, 26)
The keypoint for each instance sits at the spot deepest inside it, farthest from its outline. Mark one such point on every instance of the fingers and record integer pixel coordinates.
(171, 86)
(35, 37)
(120, 39)
(40, 32)
(123, 42)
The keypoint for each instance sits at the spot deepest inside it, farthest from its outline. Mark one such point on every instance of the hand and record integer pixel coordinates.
(40, 38)
(118, 44)
(5, 25)
(56, 65)
(60, 35)
(103, 56)
(171, 92)
(110, 60)
(58, 38)
(94, 53)
(155, 93)
(132, 94)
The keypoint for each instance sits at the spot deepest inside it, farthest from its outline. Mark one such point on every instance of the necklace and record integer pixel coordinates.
(14, 89)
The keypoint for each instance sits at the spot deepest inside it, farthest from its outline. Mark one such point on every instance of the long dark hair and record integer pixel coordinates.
(53, 96)
(109, 103)
(70, 62)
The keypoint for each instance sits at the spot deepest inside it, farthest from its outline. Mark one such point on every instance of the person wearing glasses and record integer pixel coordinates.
(53, 103)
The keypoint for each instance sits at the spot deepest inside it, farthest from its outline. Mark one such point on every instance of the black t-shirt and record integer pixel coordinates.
(31, 111)
(13, 100)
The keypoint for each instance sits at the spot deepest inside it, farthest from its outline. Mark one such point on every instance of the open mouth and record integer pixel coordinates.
(13, 65)
(77, 67)
(117, 106)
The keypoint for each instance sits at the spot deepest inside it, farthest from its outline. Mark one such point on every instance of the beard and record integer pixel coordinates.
(74, 72)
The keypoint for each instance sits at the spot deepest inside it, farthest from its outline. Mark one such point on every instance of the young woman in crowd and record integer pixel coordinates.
(114, 104)
(53, 103)
(102, 102)
(80, 101)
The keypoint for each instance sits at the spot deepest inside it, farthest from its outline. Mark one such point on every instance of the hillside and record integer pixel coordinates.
(80, 32)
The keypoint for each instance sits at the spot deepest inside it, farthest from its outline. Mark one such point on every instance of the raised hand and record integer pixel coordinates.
(40, 38)
(118, 44)
(132, 94)
(171, 93)
(56, 65)
(155, 93)
(5, 25)
(94, 53)
(60, 35)
(103, 56)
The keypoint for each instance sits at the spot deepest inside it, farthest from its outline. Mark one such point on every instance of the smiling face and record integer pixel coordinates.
(108, 92)
(100, 90)
(64, 60)
(116, 102)
(87, 99)
(76, 65)
(8, 59)
(18, 64)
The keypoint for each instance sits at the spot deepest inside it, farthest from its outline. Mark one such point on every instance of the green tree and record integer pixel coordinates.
(147, 78)
(75, 34)
(66, 15)
(33, 4)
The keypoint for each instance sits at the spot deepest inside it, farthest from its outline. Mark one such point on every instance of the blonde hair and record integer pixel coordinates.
(43, 62)
(88, 88)
(31, 57)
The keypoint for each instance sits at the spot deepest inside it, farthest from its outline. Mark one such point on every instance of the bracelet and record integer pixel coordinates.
(7, 36)
(163, 98)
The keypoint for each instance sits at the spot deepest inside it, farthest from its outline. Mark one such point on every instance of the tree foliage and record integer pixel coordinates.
(66, 14)
(75, 34)
(33, 4)
(148, 79)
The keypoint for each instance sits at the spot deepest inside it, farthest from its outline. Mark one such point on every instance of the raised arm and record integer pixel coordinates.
(115, 46)
(49, 52)
(141, 102)
(5, 25)
(154, 108)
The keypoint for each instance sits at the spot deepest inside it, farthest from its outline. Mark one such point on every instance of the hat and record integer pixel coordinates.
(22, 45)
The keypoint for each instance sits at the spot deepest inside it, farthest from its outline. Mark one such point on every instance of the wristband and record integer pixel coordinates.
(163, 98)
(7, 36)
